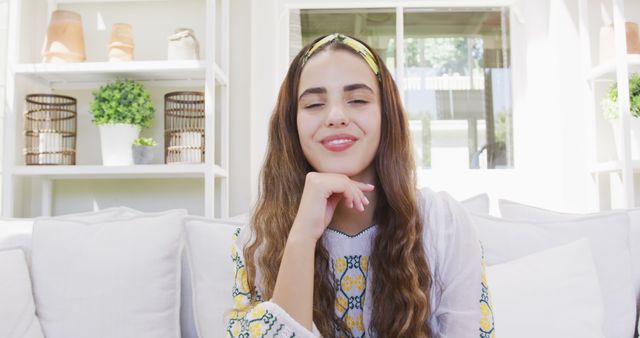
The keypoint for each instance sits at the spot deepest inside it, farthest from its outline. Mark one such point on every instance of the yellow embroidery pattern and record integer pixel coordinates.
(487, 325)
(246, 320)
(350, 277)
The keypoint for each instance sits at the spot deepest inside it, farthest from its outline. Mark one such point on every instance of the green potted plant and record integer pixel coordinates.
(120, 110)
(610, 111)
(143, 150)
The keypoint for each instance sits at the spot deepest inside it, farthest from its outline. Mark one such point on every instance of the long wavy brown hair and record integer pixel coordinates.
(401, 275)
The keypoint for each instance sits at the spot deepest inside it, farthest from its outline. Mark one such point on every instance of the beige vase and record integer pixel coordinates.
(607, 38)
(65, 39)
(121, 44)
(183, 45)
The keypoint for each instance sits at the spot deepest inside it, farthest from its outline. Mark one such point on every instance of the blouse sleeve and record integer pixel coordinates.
(460, 298)
(262, 319)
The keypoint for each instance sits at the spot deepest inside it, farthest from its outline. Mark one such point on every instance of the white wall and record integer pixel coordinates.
(240, 122)
(549, 121)
(4, 10)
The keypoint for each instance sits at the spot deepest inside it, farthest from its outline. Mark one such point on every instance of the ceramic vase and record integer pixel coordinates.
(65, 38)
(121, 43)
(183, 45)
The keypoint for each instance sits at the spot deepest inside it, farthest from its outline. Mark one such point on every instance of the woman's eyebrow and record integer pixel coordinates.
(313, 90)
(323, 90)
(356, 86)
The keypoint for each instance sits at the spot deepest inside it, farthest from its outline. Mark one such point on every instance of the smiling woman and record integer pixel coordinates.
(339, 121)
(341, 242)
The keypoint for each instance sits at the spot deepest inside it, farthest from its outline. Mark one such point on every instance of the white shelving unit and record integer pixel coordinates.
(599, 77)
(153, 21)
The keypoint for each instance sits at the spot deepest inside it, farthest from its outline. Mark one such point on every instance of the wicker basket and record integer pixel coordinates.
(50, 123)
(184, 127)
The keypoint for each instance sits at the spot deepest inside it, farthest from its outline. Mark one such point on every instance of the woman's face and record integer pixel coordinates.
(338, 112)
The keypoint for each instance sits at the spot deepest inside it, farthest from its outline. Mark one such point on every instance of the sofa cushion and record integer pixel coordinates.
(209, 245)
(478, 203)
(16, 233)
(17, 310)
(557, 287)
(108, 278)
(505, 240)
(518, 211)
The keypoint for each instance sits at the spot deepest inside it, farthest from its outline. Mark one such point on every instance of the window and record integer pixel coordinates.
(456, 75)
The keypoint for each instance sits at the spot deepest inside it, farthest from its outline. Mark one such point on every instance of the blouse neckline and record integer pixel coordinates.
(363, 231)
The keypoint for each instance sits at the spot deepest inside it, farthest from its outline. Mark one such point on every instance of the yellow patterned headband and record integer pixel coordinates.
(354, 44)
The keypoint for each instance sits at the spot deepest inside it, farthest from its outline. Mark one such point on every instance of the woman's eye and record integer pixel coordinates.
(314, 105)
(358, 101)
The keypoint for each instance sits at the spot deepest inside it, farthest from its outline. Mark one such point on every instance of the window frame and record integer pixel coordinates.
(400, 7)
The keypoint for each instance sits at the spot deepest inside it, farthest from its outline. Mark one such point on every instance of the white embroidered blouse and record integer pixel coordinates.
(460, 304)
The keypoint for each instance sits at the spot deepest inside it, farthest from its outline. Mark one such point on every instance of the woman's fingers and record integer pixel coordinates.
(360, 189)
(353, 198)
(365, 199)
(352, 192)
(356, 196)
(357, 204)
(349, 198)
(365, 186)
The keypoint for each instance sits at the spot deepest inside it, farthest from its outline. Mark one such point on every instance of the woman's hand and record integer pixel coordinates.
(293, 290)
(321, 195)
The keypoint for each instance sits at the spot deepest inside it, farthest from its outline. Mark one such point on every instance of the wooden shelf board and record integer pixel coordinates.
(92, 72)
(613, 166)
(607, 71)
(103, 1)
(117, 172)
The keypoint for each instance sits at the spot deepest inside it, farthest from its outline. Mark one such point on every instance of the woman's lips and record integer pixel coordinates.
(338, 142)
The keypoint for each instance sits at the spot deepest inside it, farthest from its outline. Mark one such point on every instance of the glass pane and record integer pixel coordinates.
(376, 27)
(457, 88)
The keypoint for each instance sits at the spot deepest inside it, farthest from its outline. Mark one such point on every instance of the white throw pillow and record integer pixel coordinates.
(518, 211)
(187, 325)
(506, 240)
(16, 233)
(99, 215)
(117, 278)
(553, 293)
(187, 322)
(242, 218)
(17, 310)
(478, 204)
(209, 245)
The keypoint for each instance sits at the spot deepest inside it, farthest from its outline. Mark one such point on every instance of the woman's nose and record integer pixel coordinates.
(336, 117)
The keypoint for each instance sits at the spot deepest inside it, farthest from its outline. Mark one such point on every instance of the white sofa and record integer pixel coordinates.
(122, 273)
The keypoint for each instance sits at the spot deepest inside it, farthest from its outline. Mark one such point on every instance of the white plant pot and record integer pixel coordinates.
(635, 137)
(116, 140)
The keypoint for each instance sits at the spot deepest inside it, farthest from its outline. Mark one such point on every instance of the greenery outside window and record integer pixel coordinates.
(455, 78)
